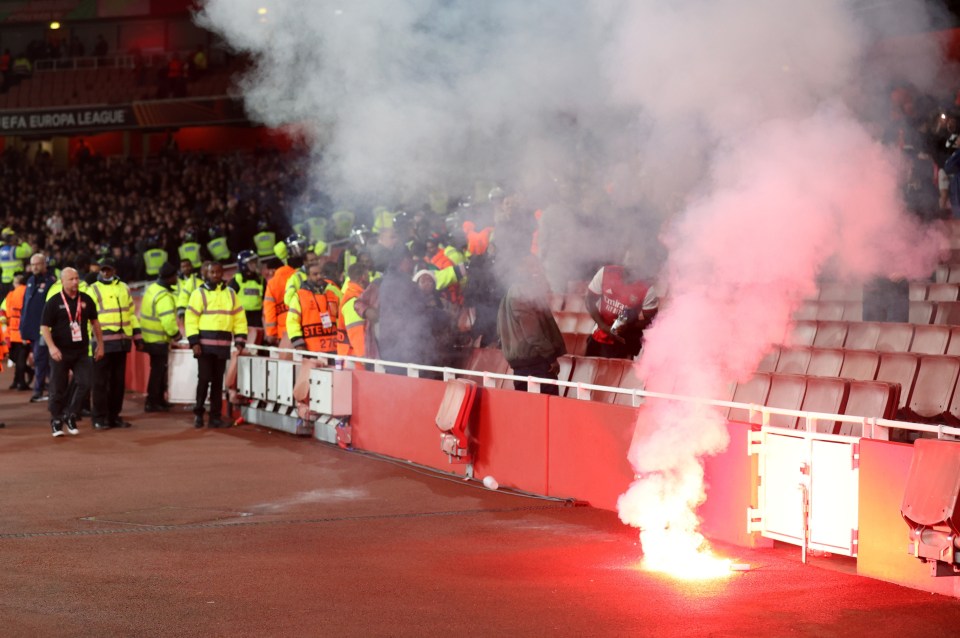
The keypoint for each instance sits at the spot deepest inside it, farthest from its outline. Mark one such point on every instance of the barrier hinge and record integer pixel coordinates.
(854, 456)
(754, 519)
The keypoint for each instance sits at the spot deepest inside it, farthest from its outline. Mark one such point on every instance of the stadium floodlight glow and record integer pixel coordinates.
(262, 11)
(54, 25)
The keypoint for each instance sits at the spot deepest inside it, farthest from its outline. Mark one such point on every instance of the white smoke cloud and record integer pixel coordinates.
(738, 121)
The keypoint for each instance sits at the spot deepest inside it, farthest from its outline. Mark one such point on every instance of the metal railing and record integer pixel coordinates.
(872, 427)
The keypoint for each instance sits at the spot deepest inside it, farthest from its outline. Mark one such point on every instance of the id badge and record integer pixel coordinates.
(325, 320)
(75, 333)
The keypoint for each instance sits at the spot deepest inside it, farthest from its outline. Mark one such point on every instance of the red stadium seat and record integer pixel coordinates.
(921, 312)
(585, 324)
(609, 373)
(556, 303)
(786, 391)
(942, 274)
(793, 361)
(802, 334)
(830, 311)
(825, 362)
(807, 311)
(566, 363)
(753, 391)
(948, 313)
(574, 303)
(918, 291)
(860, 364)
(830, 334)
(933, 388)
(853, 311)
(895, 337)
(953, 346)
(836, 291)
(870, 399)
(584, 371)
(769, 361)
(629, 381)
(825, 395)
(566, 321)
(862, 336)
(899, 368)
(943, 292)
(580, 346)
(930, 339)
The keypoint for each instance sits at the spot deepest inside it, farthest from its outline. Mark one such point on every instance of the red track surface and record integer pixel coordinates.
(163, 530)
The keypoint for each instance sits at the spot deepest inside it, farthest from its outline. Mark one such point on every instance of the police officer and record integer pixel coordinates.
(274, 301)
(264, 240)
(121, 329)
(187, 282)
(12, 255)
(217, 246)
(214, 319)
(158, 325)
(154, 257)
(249, 285)
(190, 249)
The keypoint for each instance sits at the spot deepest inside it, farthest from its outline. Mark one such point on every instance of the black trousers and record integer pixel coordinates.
(157, 382)
(18, 354)
(109, 384)
(62, 401)
(541, 371)
(210, 369)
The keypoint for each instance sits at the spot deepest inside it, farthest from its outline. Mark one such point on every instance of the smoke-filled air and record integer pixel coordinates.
(725, 142)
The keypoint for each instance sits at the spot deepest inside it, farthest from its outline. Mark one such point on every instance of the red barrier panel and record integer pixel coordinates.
(731, 491)
(884, 536)
(138, 371)
(588, 450)
(512, 438)
(395, 415)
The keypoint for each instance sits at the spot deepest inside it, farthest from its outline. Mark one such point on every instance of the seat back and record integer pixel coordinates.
(570, 342)
(921, 312)
(953, 346)
(753, 391)
(802, 334)
(933, 388)
(899, 368)
(786, 391)
(585, 324)
(556, 303)
(948, 313)
(895, 337)
(943, 292)
(830, 334)
(573, 302)
(566, 321)
(584, 371)
(566, 363)
(853, 311)
(793, 361)
(609, 373)
(830, 311)
(629, 381)
(807, 311)
(862, 335)
(860, 364)
(930, 339)
(872, 399)
(825, 362)
(828, 396)
(918, 291)
(769, 361)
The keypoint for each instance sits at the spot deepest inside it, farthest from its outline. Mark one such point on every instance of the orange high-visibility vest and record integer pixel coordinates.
(305, 320)
(274, 308)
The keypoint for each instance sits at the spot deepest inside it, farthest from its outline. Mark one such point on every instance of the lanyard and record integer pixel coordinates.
(66, 307)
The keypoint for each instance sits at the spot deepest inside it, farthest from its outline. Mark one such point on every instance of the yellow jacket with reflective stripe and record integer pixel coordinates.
(215, 319)
(350, 329)
(184, 288)
(158, 314)
(115, 311)
(264, 242)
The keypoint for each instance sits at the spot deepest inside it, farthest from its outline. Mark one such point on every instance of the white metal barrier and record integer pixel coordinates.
(807, 481)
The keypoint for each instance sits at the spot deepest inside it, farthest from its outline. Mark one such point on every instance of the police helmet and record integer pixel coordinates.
(244, 257)
(297, 245)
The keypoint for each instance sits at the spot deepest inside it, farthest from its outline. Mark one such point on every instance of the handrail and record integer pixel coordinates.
(868, 423)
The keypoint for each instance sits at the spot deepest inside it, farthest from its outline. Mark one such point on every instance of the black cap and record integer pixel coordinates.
(167, 270)
(108, 262)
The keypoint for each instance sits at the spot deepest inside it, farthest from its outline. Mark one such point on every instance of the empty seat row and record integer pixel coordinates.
(927, 381)
(578, 323)
(830, 310)
(924, 291)
(883, 337)
(836, 291)
(868, 399)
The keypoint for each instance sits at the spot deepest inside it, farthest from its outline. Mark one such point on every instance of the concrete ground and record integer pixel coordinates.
(164, 530)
